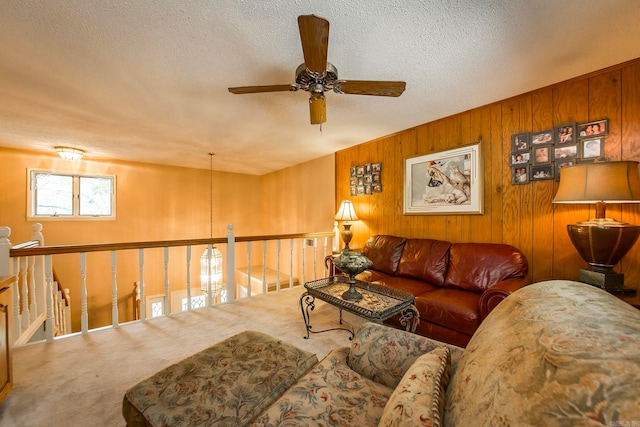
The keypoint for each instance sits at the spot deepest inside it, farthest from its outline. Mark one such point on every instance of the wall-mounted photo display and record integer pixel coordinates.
(365, 179)
(542, 172)
(542, 154)
(565, 134)
(592, 148)
(520, 158)
(545, 153)
(561, 152)
(541, 138)
(592, 129)
(520, 141)
(520, 174)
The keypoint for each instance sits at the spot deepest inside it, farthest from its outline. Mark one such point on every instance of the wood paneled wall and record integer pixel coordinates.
(520, 215)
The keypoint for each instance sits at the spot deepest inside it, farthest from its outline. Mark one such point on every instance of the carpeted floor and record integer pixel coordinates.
(81, 380)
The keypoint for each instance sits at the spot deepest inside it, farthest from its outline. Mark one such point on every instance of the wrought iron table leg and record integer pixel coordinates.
(309, 300)
(409, 318)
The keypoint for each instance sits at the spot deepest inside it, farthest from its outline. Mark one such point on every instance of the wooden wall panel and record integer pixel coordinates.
(521, 215)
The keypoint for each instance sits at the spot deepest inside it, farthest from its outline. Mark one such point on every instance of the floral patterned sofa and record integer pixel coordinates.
(555, 353)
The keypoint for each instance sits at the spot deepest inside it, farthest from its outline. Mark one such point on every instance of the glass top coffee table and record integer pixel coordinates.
(378, 302)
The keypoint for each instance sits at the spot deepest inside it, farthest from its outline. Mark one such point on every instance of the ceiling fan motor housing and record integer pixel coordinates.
(309, 80)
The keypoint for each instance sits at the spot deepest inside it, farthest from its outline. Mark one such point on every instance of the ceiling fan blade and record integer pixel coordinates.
(369, 87)
(260, 89)
(314, 34)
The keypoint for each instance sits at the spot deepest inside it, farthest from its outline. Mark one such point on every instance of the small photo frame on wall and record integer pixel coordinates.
(376, 167)
(591, 129)
(541, 138)
(521, 158)
(541, 172)
(359, 170)
(520, 174)
(353, 180)
(367, 169)
(542, 155)
(353, 190)
(376, 188)
(352, 171)
(565, 134)
(520, 141)
(592, 148)
(561, 164)
(565, 152)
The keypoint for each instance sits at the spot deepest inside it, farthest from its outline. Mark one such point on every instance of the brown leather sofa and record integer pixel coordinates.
(455, 285)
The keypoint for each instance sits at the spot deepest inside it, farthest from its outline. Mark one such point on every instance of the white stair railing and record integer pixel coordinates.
(45, 310)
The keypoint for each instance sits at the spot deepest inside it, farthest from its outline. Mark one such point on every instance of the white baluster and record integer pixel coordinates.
(48, 273)
(67, 311)
(291, 262)
(84, 316)
(39, 287)
(24, 295)
(17, 328)
(141, 284)
(114, 290)
(210, 278)
(248, 269)
(189, 278)
(165, 305)
(231, 264)
(265, 289)
(31, 262)
(278, 243)
(303, 242)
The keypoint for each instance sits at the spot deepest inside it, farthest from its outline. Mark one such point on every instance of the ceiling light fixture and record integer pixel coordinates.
(70, 153)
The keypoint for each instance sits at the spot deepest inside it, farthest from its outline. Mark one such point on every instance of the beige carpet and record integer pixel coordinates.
(81, 380)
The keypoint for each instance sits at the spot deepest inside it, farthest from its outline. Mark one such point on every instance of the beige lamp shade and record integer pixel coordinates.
(609, 182)
(346, 212)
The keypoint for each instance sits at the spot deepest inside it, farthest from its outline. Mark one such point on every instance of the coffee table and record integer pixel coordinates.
(378, 302)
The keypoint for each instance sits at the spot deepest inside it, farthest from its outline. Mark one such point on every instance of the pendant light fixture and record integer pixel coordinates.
(211, 259)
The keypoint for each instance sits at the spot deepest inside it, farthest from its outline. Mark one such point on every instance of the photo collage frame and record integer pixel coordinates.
(365, 179)
(538, 156)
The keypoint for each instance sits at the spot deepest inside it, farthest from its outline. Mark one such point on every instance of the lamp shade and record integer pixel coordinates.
(346, 212)
(609, 182)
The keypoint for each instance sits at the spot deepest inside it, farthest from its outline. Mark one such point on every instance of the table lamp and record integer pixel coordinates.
(346, 213)
(601, 241)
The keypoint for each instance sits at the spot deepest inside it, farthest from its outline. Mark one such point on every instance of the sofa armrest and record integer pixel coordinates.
(496, 293)
(383, 354)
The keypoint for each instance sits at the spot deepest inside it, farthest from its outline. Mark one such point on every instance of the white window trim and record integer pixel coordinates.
(76, 215)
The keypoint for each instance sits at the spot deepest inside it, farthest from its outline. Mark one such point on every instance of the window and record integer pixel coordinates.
(58, 195)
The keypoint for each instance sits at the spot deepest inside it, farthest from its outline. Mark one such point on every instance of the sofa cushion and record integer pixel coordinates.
(419, 398)
(554, 353)
(413, 286)
(384, 354)
(331, 394)
(425, 259)
(477, 266)
(452, 308)
(384, 252)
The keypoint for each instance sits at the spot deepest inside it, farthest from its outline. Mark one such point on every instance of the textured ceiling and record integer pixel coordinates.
(147, 80)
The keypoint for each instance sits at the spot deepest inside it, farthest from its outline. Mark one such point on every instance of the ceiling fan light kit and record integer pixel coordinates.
(317, 76)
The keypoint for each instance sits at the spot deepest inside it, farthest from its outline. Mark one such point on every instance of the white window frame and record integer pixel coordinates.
(31, 197)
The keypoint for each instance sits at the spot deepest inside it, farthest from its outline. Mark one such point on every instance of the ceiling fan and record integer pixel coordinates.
(317, 76)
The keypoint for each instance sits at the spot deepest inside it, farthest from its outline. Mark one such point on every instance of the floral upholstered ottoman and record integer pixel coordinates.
(229, 383)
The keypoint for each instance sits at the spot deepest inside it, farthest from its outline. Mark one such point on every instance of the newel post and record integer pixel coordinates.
(5, 248)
